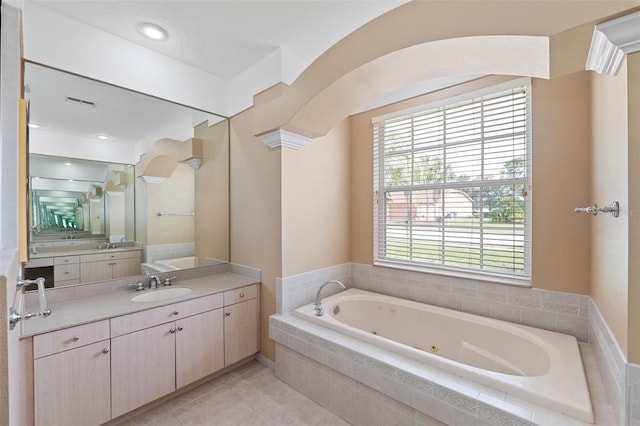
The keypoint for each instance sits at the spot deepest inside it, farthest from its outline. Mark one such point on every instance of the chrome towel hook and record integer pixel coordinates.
(614, 209)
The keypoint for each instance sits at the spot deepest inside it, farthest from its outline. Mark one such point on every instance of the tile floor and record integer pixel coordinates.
(249, 395)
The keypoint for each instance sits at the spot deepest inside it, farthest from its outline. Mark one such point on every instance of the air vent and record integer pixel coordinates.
(80, 101)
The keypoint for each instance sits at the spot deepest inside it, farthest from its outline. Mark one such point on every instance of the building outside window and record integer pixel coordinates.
(452, 184)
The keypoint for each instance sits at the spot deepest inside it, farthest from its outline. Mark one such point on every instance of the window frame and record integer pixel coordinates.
(519, 279)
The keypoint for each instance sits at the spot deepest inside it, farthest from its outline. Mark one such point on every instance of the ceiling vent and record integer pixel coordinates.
(80, 101)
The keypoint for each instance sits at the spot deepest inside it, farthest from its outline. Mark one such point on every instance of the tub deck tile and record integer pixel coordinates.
(440, 395)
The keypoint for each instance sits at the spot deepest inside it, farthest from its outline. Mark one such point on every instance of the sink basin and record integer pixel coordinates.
(156, 295)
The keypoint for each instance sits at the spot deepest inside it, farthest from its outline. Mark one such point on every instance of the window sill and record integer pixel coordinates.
(524, 282)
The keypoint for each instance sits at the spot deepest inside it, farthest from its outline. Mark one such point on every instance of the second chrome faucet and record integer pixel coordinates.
(319, 308)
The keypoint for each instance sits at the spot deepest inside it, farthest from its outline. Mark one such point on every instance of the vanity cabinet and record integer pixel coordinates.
(89, 374)
(183, 343)
(240, 324)
(66, 270)
(72, 376)
(107, 266)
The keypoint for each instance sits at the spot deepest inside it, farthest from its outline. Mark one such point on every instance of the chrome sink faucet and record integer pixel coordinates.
(319, 308)
(154, 281)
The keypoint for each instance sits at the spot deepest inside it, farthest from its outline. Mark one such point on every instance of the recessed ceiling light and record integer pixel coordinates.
(33, 125)
(102, 137)
(153, 31)
(67, 164)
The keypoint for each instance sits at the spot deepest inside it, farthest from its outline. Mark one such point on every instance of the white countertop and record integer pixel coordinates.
(78, 252)
(89, 309)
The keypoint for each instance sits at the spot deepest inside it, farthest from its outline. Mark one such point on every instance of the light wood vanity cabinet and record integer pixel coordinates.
(72, 376)
(240, 324)
(107, 266)
(95, 372)
(66, 270)
(148, 363)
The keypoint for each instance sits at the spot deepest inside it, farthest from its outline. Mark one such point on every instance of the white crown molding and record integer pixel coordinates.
(280, 137)
(611, 41)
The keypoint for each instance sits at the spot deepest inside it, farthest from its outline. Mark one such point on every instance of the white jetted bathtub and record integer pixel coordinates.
(541, 366)
(166, 265)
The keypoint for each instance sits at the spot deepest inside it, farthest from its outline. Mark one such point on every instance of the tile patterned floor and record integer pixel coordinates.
(249, 395)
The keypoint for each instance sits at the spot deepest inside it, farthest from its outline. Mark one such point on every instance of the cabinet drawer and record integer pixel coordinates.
(66, 272)
(69, 338)
(38, 263)
(144, 319)
(198, 306)
(240, 294)
(66, 260)
(110, 256)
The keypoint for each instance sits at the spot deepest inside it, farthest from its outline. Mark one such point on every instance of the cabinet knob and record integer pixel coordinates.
(180, 328)
(175, 312)
(75, 338)
(173, 330)
(105, 351)
(241, 294)
(227, 314)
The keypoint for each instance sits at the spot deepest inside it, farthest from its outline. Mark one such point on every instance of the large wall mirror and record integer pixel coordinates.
(115, 174)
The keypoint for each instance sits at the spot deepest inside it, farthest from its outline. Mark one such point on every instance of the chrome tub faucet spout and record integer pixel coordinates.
(319, 308)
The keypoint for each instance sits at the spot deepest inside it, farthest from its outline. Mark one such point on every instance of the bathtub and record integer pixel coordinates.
(541, 366)
(167, 265)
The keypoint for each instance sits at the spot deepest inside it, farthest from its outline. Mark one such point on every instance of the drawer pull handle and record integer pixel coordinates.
(227, 314)
(241, 294)
(175, 312)
(105, 351)
(180, 328)
(173, 330)
(66, 273)
(75, 338)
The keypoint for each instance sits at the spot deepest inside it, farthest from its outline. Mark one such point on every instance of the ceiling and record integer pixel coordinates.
(122, 115)
(225, 38)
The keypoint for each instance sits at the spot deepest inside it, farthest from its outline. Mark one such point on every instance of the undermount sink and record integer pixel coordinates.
(156, 295)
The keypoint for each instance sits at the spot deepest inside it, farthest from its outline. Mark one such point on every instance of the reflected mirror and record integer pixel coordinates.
(121, 183)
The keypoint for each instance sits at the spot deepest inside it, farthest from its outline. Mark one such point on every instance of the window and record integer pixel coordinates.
(452, 182)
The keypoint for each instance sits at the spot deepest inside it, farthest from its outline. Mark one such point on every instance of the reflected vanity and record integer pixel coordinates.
(121, 183)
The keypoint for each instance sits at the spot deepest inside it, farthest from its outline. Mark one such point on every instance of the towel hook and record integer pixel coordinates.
(614, 209)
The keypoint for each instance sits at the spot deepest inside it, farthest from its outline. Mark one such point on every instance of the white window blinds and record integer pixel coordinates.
(452, 186)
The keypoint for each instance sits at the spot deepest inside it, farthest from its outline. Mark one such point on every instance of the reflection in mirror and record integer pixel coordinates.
(121, 183)
(66, 197)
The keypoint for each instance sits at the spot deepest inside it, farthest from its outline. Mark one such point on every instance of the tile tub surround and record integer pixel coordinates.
(169, 251)
(562, 312)
(364, 384)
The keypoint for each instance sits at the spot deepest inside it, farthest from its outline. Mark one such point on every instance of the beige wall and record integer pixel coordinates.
(609, 244)
(256, 229)
(561, 169)
(633, 90)
(316, 203)
(174, 195)
(560, 136)
(212, 193)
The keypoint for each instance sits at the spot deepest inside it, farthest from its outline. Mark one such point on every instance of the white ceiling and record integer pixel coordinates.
(225, 38)
(222, 38)
(125, 116)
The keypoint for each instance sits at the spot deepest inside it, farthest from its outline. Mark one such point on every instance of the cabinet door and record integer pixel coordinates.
(95, 271)
(199, 346)
(240, 331)
(72, 387)
(126, 267)
(142, 367)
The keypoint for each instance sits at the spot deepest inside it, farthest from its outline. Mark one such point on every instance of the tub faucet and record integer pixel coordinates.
(319, 309)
